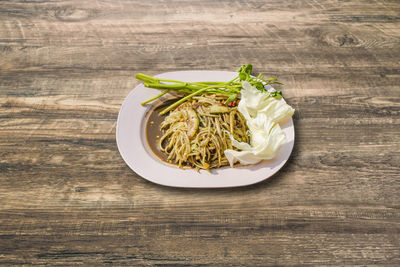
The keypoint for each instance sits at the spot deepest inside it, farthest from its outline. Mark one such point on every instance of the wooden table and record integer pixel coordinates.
(67, 197)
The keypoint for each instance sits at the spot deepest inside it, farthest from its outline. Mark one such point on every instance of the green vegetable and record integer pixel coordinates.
(193, 122)
(231, 98)
(231, 88)
(216, 109)
(276, 94)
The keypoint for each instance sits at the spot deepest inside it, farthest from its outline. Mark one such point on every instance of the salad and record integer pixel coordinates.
(214, 124)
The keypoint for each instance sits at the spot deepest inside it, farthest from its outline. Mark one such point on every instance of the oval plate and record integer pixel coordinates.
(132, 143)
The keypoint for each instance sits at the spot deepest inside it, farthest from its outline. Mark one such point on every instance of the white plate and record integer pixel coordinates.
(132, 143)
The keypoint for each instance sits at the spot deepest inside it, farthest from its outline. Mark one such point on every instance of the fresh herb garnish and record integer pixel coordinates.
(276, 94)
(231, 88)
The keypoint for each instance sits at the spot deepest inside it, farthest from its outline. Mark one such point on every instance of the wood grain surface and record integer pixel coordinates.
(67, 197)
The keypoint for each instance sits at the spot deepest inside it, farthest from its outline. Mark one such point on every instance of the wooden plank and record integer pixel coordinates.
(67, 197)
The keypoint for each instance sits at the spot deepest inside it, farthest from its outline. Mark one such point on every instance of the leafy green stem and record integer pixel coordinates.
(154, 98)
(231, 88)
(180, 101)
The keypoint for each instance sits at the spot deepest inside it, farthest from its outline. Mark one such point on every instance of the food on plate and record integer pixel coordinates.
(262, 114)
(199, 131)
(214, 124)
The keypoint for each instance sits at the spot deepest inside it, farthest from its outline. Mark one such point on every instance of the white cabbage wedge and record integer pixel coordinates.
(262, 113)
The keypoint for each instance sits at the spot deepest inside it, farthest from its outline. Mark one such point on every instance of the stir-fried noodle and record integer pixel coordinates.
(196, 132)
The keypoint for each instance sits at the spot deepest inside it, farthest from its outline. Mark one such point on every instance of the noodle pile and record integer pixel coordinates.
(196, 132)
